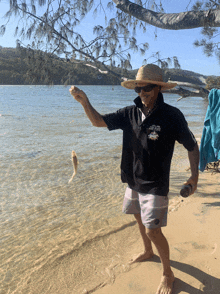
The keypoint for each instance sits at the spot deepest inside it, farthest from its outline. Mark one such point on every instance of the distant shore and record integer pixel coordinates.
(20, 66)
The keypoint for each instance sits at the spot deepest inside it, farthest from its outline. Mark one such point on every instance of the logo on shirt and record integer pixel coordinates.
(153, 132)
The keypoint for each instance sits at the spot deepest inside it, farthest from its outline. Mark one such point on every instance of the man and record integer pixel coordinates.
(150, 129)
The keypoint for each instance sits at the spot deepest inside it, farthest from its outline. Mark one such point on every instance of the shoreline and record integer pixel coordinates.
(102, 264)
(194, 248)
(192, 234)
(44, 219)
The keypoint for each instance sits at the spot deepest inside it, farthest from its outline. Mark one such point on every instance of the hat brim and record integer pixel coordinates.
(131, 84)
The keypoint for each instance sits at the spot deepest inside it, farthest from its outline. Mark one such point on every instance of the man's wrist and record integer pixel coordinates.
(192, 181)
(85, 102)
(195, 177)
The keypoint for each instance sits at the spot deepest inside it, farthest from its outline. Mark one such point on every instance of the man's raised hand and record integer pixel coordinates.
(78, 94)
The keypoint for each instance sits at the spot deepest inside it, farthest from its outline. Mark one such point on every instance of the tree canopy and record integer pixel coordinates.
(54, 26)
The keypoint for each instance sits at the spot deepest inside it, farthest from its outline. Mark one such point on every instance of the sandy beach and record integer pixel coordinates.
(73, 238)
(193, 235)
(104, 268)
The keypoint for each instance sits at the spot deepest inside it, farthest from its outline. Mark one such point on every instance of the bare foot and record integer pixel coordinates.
(166, 285)
(142, 257)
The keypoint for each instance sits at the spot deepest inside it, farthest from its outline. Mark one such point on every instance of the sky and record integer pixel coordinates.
(168, 43)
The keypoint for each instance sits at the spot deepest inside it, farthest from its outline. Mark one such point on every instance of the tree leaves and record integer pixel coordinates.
(54, 26)
(2, 30)
(204, 14)
(42, 2)
(57, 24)
(208, 47)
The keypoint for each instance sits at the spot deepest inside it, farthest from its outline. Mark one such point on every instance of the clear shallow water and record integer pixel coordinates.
(42, 217)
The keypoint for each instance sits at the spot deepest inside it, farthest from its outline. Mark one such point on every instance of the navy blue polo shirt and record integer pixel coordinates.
(148, 144)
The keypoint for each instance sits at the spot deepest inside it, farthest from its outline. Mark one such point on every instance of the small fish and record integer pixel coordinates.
(75, 164)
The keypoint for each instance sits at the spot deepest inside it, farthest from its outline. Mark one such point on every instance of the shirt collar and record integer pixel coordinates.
(159, 101)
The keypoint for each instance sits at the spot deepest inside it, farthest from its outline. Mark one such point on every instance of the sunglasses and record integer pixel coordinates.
(147, 88)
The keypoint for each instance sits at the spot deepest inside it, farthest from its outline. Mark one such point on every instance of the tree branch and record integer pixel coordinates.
(184, 93)
(171, 21)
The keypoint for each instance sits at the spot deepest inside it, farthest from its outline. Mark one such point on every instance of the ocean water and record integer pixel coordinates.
(48, 225)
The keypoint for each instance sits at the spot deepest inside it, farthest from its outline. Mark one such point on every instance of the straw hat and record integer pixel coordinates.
(148, 74)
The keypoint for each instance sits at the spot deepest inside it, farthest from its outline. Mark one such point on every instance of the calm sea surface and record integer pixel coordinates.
(42, 217)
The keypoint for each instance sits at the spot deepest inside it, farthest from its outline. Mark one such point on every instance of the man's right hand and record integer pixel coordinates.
(94, 116)
(78, 94)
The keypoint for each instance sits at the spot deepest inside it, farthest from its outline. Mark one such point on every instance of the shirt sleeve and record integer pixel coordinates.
(116, 120)
(184, 134)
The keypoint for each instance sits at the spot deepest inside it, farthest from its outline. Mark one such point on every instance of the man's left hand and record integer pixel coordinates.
(193, 182)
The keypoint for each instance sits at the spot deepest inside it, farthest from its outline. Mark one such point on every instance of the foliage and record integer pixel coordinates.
(54, 26)
(208, 42)
(213, 82)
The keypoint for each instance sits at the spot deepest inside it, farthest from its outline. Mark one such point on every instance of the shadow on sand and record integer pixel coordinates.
(208, 283)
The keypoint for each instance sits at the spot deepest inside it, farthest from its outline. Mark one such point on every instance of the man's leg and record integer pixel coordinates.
(160, 242)
(131, 206)
(154, 216)
(148, 252)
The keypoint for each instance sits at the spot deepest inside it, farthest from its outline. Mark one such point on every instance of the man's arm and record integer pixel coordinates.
(194, 163)
(93, 115)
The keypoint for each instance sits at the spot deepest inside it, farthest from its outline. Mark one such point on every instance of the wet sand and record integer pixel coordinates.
(102, 266)
(58, 237)
(193, 235)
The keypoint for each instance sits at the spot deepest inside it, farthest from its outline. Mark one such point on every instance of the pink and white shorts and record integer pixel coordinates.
(152, 208)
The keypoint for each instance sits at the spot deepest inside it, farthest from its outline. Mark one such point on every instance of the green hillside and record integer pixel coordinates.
(22, 66)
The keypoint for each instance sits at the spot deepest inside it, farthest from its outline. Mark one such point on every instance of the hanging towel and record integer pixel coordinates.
(210, 141)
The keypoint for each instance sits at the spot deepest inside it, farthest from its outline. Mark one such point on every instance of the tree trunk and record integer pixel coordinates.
(171, 21)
